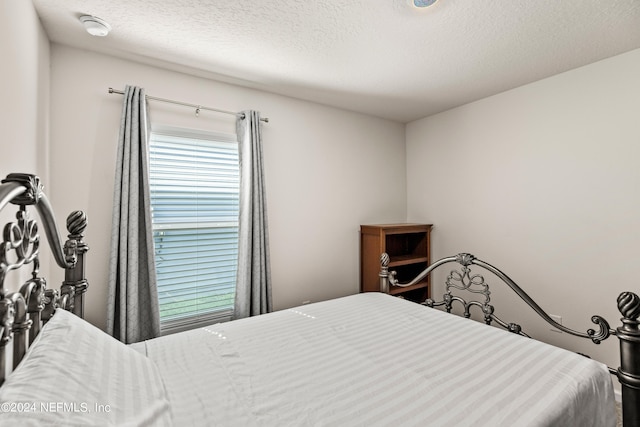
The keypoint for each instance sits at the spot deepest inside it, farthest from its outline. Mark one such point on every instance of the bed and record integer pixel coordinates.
(335, 363)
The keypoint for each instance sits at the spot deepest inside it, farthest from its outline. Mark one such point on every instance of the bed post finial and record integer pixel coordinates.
(384, 273)
(75, 284)
(629, 305)
(629, 370)
(76, 224)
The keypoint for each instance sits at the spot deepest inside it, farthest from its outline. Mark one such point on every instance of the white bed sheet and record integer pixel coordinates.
(375, 360)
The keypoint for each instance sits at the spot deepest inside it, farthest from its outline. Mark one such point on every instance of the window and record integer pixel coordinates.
(194, 180)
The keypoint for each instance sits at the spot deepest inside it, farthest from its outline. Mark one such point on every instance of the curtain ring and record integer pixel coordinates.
(198, 111)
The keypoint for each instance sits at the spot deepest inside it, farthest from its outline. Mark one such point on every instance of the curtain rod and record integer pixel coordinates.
(197, 107)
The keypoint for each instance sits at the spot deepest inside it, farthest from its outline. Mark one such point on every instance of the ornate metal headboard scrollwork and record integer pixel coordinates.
(464, 280)
(23, 313)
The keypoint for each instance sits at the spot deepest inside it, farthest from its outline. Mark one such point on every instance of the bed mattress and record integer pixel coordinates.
(375, 360)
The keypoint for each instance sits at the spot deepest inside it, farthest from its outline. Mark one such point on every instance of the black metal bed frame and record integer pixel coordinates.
(23, 313)
(464, 280)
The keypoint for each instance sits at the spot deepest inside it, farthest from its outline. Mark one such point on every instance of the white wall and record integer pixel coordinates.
(542, 181)
(327, 170)
(24, 105)
(25, 74)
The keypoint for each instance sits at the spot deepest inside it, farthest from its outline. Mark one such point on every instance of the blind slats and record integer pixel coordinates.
(194, 200)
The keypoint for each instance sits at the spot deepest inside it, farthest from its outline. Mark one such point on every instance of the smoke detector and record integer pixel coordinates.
(95, 26)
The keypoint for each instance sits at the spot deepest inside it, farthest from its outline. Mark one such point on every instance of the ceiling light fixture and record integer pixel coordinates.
(423, 3)
(95, 26)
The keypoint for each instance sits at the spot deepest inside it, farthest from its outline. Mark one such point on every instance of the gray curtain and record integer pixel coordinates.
(253, 288)
(132, 306)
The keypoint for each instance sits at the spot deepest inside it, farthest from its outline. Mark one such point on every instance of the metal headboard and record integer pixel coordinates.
(464, 280)
(23, 313)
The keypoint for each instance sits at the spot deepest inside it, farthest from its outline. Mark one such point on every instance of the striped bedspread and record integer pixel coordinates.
(375, 360)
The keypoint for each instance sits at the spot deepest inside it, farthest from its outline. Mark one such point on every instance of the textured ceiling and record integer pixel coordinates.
(380, 57)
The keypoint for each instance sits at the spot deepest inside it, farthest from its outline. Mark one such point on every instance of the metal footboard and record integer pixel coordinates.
(465, 280)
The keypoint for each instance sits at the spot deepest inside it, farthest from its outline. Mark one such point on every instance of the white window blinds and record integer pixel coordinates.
(194, 181)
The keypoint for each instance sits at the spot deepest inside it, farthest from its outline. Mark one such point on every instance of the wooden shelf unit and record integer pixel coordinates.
(409, 249)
